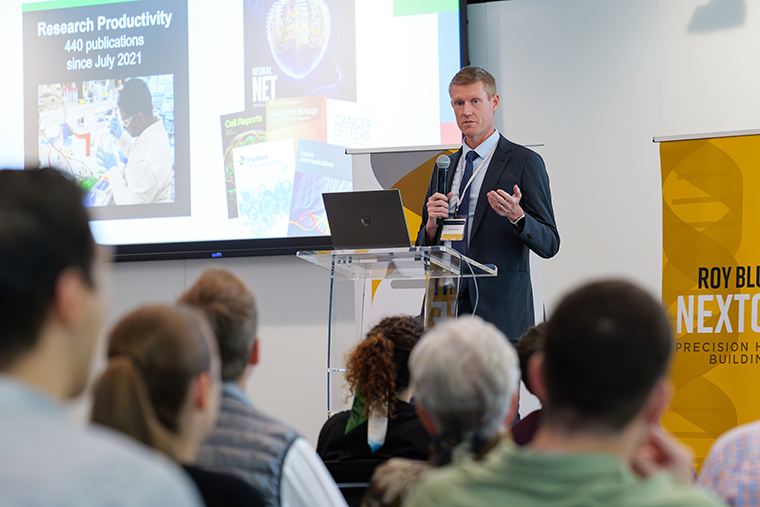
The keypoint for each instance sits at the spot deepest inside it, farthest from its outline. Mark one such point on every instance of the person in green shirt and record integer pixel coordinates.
(603, 373)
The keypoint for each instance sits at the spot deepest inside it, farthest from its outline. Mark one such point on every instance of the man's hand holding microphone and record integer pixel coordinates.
(438, 203)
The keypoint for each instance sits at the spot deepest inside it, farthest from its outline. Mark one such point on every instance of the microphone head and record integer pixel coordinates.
(443, 162)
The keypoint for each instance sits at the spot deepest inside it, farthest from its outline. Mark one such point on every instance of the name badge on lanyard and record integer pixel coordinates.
(453, 229)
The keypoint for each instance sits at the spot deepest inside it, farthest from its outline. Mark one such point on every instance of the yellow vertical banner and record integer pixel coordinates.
(711, 284)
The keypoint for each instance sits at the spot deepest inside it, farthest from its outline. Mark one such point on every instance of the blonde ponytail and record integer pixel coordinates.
(120, 401)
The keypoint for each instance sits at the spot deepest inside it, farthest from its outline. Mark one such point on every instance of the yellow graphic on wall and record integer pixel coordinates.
(711, 284)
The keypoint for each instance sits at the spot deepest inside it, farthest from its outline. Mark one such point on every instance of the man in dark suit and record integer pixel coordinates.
(502, 191)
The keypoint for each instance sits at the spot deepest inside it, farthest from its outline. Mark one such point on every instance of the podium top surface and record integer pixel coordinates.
(418, 262)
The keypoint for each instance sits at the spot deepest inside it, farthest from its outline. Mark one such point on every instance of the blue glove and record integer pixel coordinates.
(107, 160)
(116, 129)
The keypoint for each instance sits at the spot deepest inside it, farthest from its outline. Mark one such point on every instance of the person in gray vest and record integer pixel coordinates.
(268, 454)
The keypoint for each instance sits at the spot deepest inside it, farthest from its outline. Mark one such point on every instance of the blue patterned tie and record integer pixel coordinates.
(464, 206)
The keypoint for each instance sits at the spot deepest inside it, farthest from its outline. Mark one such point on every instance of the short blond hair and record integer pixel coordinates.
(231, 310)
(473, 74)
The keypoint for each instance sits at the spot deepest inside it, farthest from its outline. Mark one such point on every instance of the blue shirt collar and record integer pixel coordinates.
(233, 390)
(15, 394)
(483, 148)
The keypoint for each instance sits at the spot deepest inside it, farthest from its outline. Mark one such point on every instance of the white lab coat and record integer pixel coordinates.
(147, 176)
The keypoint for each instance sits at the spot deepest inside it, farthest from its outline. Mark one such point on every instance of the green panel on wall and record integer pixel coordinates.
(411, 7)
(65, 4)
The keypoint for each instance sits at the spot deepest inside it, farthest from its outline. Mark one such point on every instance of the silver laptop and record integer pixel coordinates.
(366, 219)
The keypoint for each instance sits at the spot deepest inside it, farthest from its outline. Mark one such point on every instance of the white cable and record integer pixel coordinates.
(475, 281)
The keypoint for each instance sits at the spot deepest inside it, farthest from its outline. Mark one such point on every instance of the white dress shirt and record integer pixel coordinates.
(485, 154)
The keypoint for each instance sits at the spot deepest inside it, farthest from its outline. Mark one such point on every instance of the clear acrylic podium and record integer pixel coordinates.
(354, 276)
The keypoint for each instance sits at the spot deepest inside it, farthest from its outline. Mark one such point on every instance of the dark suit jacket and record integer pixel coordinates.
(507, 299)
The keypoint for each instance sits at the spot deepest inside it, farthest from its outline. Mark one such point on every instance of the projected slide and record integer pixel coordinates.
(296, 48)
(238, 129)
(300, 60)
(319, 168)
(265, 187)
(197, 121)
(85, 150)
(127, 149)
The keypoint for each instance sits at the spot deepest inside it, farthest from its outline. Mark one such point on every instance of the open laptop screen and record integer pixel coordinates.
(368, 219)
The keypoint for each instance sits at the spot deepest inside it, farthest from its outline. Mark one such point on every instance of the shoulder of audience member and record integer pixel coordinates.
(693, 496)
(336, 420)
(236, 418)
(735, 446)
(393, 481)
(216, 487)
(739, 441)
(399, 475)
(443, 486)
(448, 487)
(160, 479)
(664, 492)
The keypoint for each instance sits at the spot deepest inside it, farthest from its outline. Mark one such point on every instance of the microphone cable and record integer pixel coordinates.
(475, 281)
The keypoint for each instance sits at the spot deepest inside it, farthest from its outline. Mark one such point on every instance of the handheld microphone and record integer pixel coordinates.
(442, 170)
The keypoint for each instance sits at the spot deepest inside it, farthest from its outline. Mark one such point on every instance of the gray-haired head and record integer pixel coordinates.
(464, 376)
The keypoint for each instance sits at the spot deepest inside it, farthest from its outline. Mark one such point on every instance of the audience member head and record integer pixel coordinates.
(161, 385)
(607, 351)
(231, 311)
(530, 343)
(472, 74)
(465, 379)
(378, 368)
(50, 304)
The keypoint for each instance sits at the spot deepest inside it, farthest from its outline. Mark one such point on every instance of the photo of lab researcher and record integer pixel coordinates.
(142, 172)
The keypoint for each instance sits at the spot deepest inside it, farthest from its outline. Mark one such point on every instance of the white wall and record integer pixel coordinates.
(708, 76)
(595, 80)
(581, 76)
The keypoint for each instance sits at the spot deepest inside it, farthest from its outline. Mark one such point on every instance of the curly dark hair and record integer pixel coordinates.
(379, 366)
